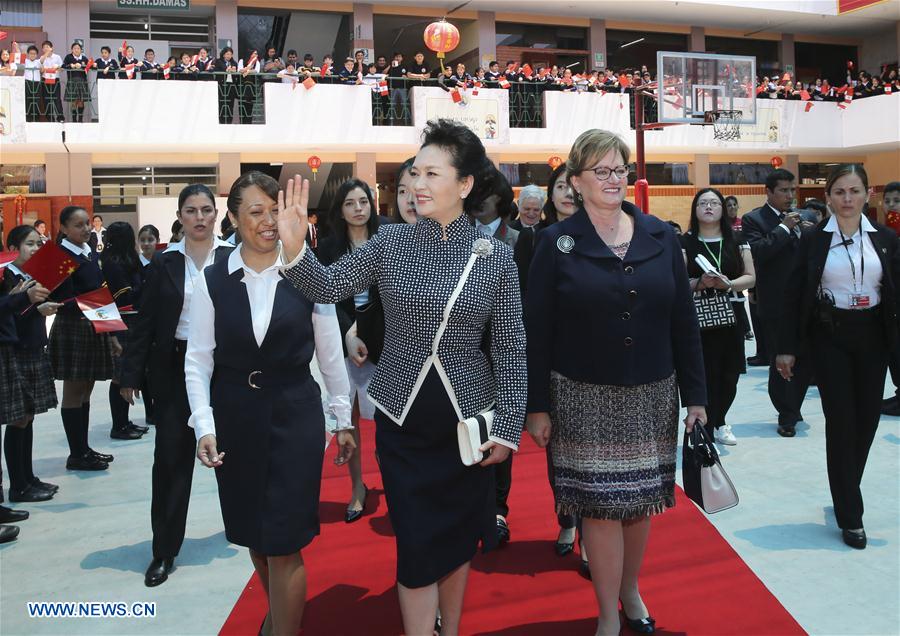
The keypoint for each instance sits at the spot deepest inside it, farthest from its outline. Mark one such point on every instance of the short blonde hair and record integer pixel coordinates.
(590, 147)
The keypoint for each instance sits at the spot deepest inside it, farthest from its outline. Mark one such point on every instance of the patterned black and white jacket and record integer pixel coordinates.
(416, 271)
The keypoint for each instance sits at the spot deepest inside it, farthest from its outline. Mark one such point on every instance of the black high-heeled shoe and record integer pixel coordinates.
(562, 548)
(640, 625)
(355, 515)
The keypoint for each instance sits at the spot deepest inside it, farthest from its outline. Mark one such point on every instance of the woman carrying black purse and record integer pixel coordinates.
(352, 221)
(840, 308)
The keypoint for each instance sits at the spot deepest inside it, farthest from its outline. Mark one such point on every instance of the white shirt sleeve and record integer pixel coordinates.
(330, 356)
(198, 360)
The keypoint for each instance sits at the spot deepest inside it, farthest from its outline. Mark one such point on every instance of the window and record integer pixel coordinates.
(765, 51)
(539, 36)
(116, 189)
(826, 61)
(738, 173)
(815, 173)
(180, 28)
(632, 49)
(663, 174)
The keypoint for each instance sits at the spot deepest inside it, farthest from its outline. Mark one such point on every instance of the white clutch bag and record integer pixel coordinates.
(471, 434)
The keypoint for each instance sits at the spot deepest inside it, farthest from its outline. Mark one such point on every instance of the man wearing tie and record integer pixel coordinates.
(773, 232)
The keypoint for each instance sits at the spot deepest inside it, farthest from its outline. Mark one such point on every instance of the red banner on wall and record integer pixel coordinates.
(846, 6)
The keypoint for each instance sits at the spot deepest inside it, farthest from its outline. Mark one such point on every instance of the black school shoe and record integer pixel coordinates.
(854, 538)
(85, 462)
(30, 493)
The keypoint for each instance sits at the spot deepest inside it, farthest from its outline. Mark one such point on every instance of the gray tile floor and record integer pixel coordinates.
(92, 543)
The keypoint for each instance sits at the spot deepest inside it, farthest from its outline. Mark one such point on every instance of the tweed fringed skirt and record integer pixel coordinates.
(613, 448)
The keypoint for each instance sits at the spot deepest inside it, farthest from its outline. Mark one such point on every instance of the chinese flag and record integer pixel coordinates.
(50, 265)
(527, 71)
(99, 307)
(3, 35)
(624, 81)
(456, 96)
(6, 258)
(804, 95)
(308, 83)
(477, 85)
(323, 71)
(809, 106)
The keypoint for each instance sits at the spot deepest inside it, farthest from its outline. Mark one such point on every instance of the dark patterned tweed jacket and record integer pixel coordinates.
(416, 270)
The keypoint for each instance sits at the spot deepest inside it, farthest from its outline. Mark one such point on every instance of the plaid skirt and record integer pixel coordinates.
(76, 352)
(26, 384)
(613, 448)
(77, 89)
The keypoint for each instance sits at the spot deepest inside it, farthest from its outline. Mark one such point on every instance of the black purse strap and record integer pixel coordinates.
(482, 428)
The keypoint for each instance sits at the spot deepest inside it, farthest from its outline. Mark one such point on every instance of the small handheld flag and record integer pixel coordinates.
(50, 265)
(99, 307)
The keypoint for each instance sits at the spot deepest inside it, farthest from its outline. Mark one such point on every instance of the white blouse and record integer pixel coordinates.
(191, 275)
(838, 277)
(261, 287)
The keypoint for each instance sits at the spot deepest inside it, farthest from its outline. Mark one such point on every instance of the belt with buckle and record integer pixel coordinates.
(261, 378)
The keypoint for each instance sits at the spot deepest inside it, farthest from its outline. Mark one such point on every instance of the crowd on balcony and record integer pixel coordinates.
(865, 84)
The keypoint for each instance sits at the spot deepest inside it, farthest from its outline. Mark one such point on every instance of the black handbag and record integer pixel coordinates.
(370, 327)
(714, 309)
(705, 481)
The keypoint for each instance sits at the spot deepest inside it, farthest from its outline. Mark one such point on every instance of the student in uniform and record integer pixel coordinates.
(186, 70)
(30, 389)
(227, 76)
(205, 65)
(122, 271)
(33, 89)
(249, 86)
(148, 239)
(77, 90)
(106, 65)
(156, 351)
(79, 356)
(149, 67)
(257, 412)
(50, 65)
(126, 58)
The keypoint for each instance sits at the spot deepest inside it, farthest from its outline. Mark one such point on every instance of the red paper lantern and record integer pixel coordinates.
(776, 162)
(441, 37)
(314, 164)
(554, 162)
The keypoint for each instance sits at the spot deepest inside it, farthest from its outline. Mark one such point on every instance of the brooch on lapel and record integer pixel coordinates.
(565, 243)
(482, 247)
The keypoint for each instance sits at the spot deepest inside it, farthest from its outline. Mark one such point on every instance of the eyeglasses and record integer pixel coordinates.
(604, 173)
(709, 204)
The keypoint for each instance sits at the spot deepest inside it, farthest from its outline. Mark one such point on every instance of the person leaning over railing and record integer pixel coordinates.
(127, 59)
(228, 76)
(186, 70)
(149, 67)
(106, 64)
(249, 86)
(7, 66)
(205, 65)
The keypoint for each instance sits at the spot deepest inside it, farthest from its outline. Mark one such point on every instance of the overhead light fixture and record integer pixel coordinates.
(276, 164)
(634, 42)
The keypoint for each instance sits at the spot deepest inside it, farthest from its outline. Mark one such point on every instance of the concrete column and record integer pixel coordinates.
(227, 25)
(229, 171)
(364, 167)
(786, 53)
(598, 44)
(697, 40)
(65, 20)
(69, 174)
(700, 170)
(487, 38)
(792, 165)
(363, 24)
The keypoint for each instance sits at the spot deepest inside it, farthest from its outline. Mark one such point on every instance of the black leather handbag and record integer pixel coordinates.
(705, 481)
(370, 327)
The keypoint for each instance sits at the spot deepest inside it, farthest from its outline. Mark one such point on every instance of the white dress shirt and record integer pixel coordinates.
(784, 227)
(191, 273)
(53, 61)
(838, 277)
(261, 288)
(144, 260)
(490, 228)
(83, 250)
(33, 70)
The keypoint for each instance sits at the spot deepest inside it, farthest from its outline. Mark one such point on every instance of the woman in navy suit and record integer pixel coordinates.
(253, 399)
(612, 338)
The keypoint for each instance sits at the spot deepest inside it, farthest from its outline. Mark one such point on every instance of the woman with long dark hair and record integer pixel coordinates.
(79, 356)
(560, 203)
(710, 235)
(122, 270)
(352, 221)
(405, 205)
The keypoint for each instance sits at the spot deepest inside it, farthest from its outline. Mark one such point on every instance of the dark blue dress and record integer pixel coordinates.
(272, 436)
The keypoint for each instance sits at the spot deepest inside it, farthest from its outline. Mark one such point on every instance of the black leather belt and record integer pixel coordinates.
(261, 378)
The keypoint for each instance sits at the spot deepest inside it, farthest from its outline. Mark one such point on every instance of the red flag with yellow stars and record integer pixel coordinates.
(50, 265)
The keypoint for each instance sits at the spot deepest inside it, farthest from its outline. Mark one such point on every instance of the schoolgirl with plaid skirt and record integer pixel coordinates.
(78, 92)
(78, 355)
(26, 382)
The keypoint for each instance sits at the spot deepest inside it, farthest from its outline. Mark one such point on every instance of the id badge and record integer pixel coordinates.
(859, 301)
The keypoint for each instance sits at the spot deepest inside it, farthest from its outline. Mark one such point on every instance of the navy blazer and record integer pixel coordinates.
(773, 252)
(595, 318)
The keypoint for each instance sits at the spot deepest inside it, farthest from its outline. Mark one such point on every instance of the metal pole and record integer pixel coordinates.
(639, 133)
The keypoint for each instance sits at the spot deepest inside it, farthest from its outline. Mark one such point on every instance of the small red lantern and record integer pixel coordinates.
(554, 162)
(441, 37)
(776, 162)
(314, 164)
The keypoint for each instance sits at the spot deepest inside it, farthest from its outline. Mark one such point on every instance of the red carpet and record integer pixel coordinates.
(693, 582)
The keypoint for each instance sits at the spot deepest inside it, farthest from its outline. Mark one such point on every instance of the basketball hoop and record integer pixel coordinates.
(726, 124)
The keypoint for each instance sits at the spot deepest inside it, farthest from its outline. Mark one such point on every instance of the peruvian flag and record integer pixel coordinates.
(17, 56)
(90, 64)
(124, 46)
(887, 89)
(6, 258)
(504, 83)
(383, 88)
(324, 70)
(809, 106)
(308, 83)
(804, 95)
(842, 105)
(455, 95)
(848, 96)
(166, 69)
(50, 265)
(254, 58)
(475, 87)
(129, 70)
(195, 59)
(99, 307)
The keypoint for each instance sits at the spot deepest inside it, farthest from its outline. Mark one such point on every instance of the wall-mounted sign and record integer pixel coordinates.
(174, 5)
(599, 62)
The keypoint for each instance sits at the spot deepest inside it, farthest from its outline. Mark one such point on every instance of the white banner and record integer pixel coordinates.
(12, 109)
(485, 114)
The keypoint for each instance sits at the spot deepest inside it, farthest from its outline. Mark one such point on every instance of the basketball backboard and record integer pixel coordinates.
(692, 84)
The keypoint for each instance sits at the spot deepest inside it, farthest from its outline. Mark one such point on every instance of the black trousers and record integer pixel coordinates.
(787, 397)
(53, 109)
(850, 364)
(173, 460)
(758, 332)
(723, 360)
(503, 480)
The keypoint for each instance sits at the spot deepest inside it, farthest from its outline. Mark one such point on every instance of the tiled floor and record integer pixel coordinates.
(92, 542)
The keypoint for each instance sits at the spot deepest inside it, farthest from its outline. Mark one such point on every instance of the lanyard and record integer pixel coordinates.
(862, 258)
(717, 259)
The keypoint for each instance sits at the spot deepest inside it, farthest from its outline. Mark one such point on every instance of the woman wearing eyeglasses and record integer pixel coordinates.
(609, 285)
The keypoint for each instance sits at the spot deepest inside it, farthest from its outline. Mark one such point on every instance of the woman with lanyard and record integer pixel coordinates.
(352, 221)
(441, 284)
(26, 381)
(256, 410)
(79, 356)
(156, 351)
(841, 307)
(122, 271)
(710, 235)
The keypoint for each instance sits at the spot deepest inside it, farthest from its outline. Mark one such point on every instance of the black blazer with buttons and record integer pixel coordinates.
(595, 318)
(800, 301)
(152, 336)
(773, 252)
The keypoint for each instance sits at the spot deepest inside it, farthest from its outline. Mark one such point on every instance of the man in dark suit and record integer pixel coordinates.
(773, 232)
